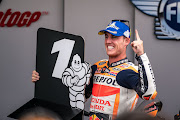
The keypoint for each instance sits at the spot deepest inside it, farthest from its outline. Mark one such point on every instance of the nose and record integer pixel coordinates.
(108, 40)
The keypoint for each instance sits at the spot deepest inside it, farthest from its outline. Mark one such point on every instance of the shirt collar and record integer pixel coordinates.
(125, 60)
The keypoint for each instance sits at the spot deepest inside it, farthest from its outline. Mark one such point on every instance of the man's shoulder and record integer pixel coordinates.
(128, 66)
(132, 65)
(101, 62)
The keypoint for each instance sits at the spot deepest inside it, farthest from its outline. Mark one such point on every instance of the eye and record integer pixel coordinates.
(75, 61)
(106, 35)
(78, 62)
(114, 37)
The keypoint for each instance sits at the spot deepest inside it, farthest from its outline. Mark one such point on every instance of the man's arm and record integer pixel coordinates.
(146, 87)
(146, 75)
(142, 82)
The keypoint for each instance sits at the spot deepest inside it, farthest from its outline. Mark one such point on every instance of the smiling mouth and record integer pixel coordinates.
(110, 47)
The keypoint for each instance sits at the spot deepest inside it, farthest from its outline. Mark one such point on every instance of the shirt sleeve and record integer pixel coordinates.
(127, 78)
(142, 82)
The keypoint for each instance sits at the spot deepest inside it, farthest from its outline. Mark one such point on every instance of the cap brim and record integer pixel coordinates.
(101, 32)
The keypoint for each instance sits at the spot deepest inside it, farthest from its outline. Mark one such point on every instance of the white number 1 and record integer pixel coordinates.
(64, 47)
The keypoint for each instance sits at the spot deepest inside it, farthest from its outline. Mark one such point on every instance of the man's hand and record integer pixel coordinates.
(137, 45)
(35, 76)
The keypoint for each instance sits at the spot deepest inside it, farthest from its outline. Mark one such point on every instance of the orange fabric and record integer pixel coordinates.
(135, 100)
(153, 113)
(154, 95)
(102, 90)
(116, 105)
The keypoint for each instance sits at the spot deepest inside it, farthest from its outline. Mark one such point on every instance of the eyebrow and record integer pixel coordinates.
(110, 35)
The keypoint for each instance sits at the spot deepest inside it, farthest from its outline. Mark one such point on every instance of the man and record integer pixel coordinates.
(137, 116)
(39, 113)
(116, 83)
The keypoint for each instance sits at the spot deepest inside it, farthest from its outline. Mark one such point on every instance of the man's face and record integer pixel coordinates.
(115, 45)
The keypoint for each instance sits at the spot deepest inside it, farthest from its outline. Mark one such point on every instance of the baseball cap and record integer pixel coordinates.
(117, 28)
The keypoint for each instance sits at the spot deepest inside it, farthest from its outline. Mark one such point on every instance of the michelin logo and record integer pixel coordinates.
(167, 16)
(75, 78)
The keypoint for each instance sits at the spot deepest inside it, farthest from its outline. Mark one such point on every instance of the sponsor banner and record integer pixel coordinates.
(100, 104)
(167, 16)
(11, 18)
(105, 80)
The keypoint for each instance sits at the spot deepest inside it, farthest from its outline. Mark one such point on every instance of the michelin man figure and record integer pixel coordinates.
(76, 77)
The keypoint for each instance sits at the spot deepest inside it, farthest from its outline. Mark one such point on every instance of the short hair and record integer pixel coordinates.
(136, 116)
(39, 112)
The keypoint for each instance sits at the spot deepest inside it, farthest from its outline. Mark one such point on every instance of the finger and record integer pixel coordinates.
(36, 73)
(137, 35)
(134, 43)
(36, 76)
(34, 79)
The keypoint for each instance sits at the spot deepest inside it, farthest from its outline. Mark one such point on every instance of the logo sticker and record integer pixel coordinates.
(124, 66)
(102, 63)
(116, 69)
(167, 16)
(75, 77)
(112, 25)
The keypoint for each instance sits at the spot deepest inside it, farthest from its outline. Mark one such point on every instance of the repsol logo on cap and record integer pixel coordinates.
(10, 18)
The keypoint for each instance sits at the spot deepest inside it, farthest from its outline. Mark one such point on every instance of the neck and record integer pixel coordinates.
(116, 58)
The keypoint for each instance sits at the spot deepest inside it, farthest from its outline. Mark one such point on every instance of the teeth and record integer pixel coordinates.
(110, 47)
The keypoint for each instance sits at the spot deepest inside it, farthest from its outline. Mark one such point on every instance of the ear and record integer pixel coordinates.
(127, 40)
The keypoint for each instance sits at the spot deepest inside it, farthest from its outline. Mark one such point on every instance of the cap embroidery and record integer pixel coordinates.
(115, 32)
(127, 33)
(112, 25)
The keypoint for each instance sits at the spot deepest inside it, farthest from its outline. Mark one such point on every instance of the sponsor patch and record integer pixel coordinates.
(112, 73)
(107, 80)
(116, 69)
(124, 66)
(102, 63)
